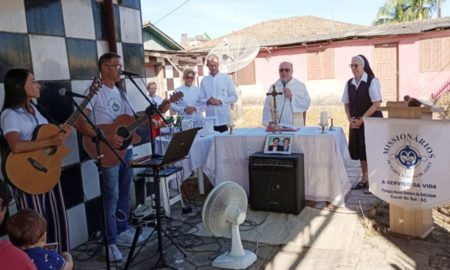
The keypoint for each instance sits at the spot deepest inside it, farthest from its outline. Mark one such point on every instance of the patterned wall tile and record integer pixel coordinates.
(15, 52)
(73, 156)
(94, 215)
(82, 58)
(49, 62)
(72, 185)
(78, 24)
(59, 107)
(170, 84)
(44, 17)
(138, 102)
(100, 32)
(13, 17)
(91, 182)
(83, 155)
(200, 70)
(102, 47)
(81, 86)
(130, 22)
(168, 71)
(131, 3)
(76, 217)
(133, 58)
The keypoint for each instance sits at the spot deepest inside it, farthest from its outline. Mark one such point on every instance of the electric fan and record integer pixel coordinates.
(224, 210)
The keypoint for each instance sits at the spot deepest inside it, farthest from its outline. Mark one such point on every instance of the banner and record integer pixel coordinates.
(409, 164)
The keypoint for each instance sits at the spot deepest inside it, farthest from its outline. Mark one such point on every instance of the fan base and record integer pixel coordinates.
(235, 262)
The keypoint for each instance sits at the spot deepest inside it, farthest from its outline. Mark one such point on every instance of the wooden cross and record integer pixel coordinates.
(274, 94)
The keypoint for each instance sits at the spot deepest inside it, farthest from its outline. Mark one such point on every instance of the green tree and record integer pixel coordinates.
(405, 10)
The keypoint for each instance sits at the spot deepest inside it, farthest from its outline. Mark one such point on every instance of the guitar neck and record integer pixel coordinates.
(74, 116)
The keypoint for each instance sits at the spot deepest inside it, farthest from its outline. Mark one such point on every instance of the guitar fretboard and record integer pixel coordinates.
(92, 91)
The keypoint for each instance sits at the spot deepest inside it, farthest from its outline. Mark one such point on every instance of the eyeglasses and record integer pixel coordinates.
(117, 66)
(189, 77)
(353, 65)
(284, 70)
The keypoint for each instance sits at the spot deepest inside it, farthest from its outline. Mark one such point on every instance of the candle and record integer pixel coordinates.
(323, 118)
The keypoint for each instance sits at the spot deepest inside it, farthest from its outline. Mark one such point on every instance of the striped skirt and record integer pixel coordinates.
(51, 206)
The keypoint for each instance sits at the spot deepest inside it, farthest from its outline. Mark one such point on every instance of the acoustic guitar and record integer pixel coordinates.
(124, 126)
(38, 171)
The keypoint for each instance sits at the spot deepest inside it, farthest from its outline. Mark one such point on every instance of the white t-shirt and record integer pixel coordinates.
(191, 97)
(108, 104)
(21, 121)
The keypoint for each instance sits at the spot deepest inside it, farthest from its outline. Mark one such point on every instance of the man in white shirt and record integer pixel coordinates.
(108, 104)
(217, 92)
(151, 89)
(294, 98)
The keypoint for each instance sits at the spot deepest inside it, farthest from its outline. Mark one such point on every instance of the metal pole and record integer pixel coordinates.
(439, 8)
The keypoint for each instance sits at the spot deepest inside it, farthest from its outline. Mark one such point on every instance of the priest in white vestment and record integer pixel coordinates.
(293, 99)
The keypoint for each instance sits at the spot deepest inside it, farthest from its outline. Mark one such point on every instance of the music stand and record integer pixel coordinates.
(177, 150)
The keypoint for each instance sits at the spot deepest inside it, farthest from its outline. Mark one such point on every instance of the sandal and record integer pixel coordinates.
(360, 185)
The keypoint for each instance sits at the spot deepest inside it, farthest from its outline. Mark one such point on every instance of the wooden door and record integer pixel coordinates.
(385, 66)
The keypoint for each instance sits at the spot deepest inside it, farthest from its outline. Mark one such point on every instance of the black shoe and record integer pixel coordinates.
(360, 185)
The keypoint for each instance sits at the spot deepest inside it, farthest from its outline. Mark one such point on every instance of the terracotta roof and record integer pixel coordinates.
(286, 28)
(338, 33)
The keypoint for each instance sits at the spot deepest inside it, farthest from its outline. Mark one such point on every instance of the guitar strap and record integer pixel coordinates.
(124, 97)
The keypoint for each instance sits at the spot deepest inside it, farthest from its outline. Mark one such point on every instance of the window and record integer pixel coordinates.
(321, 65)
(435, 54)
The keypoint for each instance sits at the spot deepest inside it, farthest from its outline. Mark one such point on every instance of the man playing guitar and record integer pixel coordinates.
(107, 105)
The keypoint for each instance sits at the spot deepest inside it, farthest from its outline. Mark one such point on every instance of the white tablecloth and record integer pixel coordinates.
(325, 175)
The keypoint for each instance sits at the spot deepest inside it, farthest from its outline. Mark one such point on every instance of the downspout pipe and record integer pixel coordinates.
(108, 14)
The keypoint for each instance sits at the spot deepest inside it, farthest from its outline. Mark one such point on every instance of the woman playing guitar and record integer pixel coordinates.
(19, 118)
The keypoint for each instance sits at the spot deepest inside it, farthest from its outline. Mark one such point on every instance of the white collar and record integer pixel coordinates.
(363, 79)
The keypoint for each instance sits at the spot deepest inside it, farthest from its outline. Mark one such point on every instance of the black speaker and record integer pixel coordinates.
(277, 182)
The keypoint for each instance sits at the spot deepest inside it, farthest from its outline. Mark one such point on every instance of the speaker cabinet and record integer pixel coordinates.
(277, 182)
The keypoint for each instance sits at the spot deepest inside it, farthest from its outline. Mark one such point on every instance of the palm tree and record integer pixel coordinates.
(405, 10)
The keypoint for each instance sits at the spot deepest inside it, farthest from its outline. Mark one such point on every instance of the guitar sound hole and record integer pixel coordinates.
(51, 150)
(123, 132)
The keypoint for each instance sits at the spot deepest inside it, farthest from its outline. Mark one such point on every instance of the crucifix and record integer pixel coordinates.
(274, 94)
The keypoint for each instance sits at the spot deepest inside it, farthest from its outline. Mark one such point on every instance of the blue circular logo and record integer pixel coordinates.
(408, 157)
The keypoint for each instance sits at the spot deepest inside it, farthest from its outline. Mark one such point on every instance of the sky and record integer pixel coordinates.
(217, 18)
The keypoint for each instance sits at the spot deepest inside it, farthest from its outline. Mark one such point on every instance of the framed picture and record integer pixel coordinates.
(278, 144)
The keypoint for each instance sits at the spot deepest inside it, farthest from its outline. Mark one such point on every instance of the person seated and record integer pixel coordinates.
(11, 257)
(27, 230)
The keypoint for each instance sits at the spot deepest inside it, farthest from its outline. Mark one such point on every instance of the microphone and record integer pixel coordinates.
(66, 93)
(126, 73)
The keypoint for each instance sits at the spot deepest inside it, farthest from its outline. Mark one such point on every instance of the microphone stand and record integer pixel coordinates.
(100, 137)
(154, 109)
